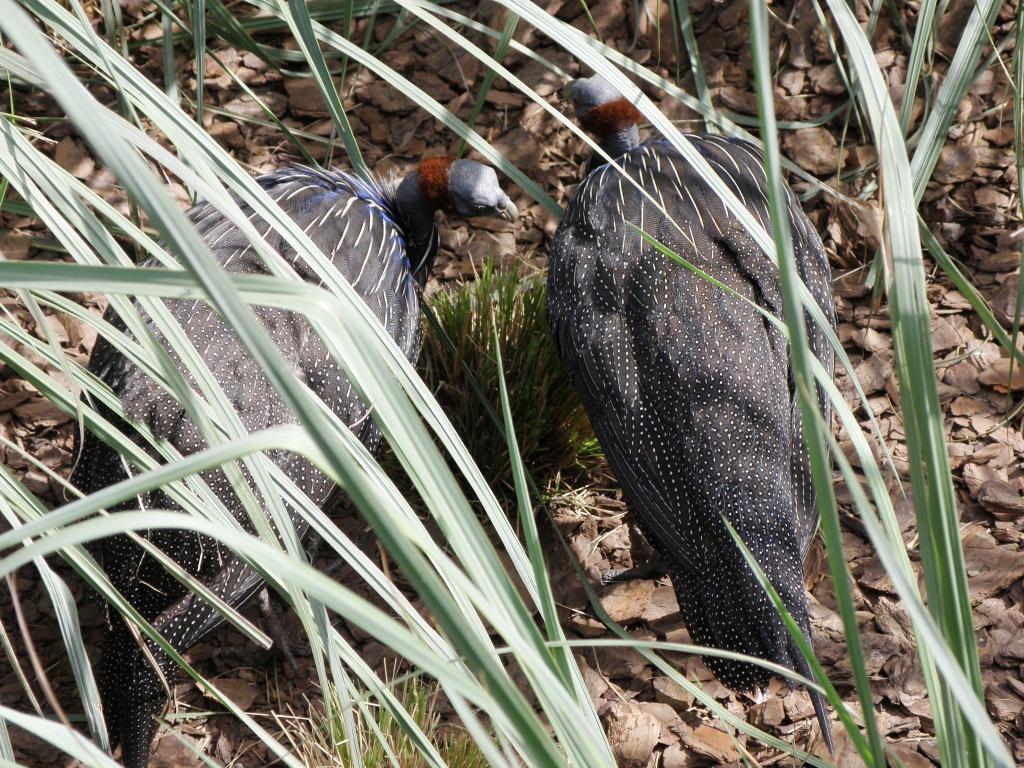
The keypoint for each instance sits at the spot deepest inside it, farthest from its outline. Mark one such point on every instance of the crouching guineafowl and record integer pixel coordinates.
(688, 388)
(381, 237)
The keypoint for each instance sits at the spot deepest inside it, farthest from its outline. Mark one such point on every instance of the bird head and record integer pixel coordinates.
(601, 109)
(465, 187)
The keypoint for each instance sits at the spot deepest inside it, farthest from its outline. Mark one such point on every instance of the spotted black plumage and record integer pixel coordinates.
(382, 239)
(689, 389)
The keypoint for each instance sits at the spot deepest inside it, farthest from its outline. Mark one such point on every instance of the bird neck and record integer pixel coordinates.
(615, 144)
(417, 208)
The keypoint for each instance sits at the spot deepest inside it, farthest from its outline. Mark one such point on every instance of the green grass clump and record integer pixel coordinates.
(328, 747)
(551, 427)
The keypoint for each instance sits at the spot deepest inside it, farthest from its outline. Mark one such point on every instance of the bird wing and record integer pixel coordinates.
(740, 162)
(354, 226)
(688, 388)
(368, 248)
(812, 264)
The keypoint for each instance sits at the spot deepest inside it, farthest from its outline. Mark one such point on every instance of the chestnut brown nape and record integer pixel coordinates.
(434, 183)
(611, 117)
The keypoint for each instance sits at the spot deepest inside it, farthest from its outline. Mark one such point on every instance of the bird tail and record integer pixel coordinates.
(131, 693)
(113, 678)
(726, 608)
(799, 664)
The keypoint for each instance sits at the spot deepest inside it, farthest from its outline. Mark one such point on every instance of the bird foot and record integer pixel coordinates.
(655, 568)
(272, 609)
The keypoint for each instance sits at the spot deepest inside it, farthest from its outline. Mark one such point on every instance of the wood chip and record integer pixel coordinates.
(670, 692)
(1005, 501)
(662, 610)
(1002, 702)
(997, 376)
(305, 98)
(769, 712)
(241, 693)
(171, 752)
(815, 150)
(678, 756)
(991, 567)
(632, 732)
(956, 163)
(72, 157)
(627, 601)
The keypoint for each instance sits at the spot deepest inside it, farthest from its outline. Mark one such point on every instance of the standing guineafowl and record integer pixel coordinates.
(688, 388)
(381, 237)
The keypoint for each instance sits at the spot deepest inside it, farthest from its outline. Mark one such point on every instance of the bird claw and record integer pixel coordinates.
(653, 569)
(285, 645)
(289, 649)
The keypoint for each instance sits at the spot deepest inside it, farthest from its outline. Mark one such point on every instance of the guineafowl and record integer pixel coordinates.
(381, 237)
(689, 389)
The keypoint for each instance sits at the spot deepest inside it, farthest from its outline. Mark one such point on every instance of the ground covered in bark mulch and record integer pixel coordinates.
(972, 206)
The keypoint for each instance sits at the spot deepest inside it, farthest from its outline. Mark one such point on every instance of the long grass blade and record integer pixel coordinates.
(297, 16)
(941, 550)
(958, 79)
(802, 364)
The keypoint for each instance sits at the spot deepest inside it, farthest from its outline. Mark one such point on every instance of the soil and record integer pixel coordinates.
(972, 205)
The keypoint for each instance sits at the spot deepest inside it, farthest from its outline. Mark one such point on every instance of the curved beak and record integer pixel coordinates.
(508, 210)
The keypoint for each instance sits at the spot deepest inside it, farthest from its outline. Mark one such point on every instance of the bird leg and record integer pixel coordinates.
(273, 609)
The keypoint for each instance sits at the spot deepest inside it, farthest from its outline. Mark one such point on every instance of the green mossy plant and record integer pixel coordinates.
(328, 747)
(551, 427)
